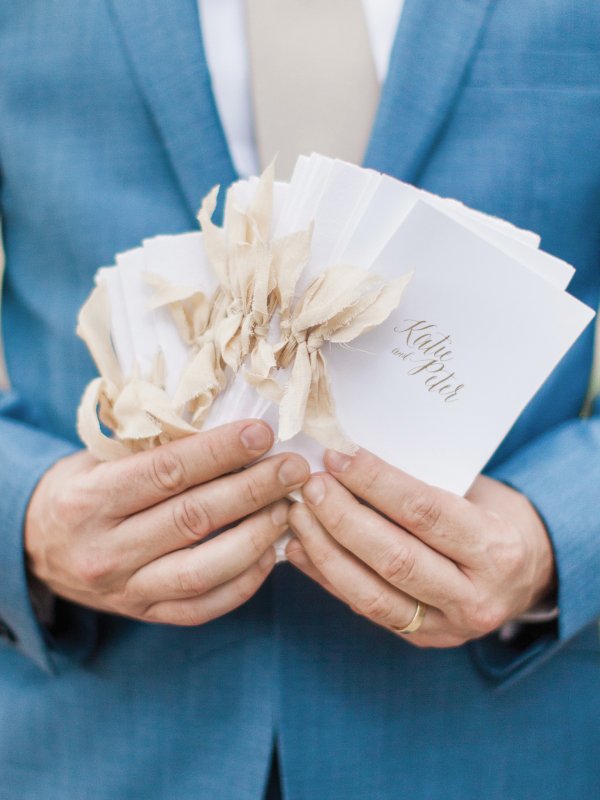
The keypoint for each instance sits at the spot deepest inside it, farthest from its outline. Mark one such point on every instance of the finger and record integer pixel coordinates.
(363, 590)
(442, 637)
(216, 602)
(196, 571)
(192, 516)
(400, 558)
(298, 557)
(144, 479)
(445, 521)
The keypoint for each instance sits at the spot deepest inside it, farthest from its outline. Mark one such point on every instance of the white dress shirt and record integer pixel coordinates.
(224, 36)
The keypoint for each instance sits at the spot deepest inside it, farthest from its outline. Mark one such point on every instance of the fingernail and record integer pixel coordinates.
(293, 472)
(279, 515)
(314, 490)
(267, 559)
(256, 437)
(296, 553)
(338, 462)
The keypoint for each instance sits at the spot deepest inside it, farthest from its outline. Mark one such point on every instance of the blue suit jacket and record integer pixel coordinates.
(108, 134)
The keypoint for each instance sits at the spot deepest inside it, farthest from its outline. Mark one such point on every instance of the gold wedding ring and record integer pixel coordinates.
(416, 621)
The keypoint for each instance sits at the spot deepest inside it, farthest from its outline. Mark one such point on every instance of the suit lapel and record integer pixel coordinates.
(163, 42)
(433, 48)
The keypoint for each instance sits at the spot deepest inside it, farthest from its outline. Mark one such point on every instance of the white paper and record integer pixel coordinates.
(136, 293)
(507, 329)
(119, 323)
(492, 299)
(180, 260)
(393, 201)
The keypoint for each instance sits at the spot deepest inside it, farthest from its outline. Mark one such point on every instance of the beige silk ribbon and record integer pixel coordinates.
(220, 333)
(138, 411)
(196, 317)
(340, 305)
(253, 320)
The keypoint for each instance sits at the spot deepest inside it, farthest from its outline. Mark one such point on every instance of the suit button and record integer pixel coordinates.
(7, 633)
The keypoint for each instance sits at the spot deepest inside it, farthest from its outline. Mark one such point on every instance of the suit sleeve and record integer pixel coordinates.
(560, 474)
(26, 453)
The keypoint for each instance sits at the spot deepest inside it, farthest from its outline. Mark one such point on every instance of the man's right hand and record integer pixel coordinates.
(121, 536)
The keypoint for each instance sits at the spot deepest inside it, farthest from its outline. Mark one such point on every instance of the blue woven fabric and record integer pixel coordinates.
(109, 133)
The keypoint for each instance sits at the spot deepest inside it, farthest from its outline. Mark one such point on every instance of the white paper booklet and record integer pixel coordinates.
(433, 388)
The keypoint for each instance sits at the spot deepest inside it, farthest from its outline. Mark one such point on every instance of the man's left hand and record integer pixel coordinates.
(380, 540)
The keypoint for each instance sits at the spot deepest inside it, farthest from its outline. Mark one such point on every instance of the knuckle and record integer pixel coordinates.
(370, 477)
(322, 557)
(189, 616)
(73, 503)
(130, 601)
(254, 493)
(510, 557)
(153, 612)
(151, 616)
(246, 589)
(166, 471)
(338, 522)
(191, 518)
(214, 449)
(64, 505)
(423, 511)
(93, 569)
(400, 566)
(296, 516)
(258, 540)
(484, 618)
(377, 607)
(193, 581)
(192, 619)
(503, 549)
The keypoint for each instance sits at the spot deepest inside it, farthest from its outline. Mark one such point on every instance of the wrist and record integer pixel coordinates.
(38, 517)
(545, 581)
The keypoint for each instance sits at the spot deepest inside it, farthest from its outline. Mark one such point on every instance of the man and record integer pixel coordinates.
(130, 665)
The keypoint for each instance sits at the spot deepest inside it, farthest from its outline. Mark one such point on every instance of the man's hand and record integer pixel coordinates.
(121, 537)
(476, 562)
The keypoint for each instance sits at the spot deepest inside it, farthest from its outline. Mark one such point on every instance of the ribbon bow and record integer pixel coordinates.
(138, 411)
(240, 255)
(253, 320)
(196, 317)
(338, 306)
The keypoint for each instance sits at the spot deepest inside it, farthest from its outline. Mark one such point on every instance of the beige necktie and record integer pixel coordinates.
(314, 85)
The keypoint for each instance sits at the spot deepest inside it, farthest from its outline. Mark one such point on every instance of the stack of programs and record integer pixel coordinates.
(342, 307)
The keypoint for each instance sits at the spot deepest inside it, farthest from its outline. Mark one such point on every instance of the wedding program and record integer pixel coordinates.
(346, 309)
